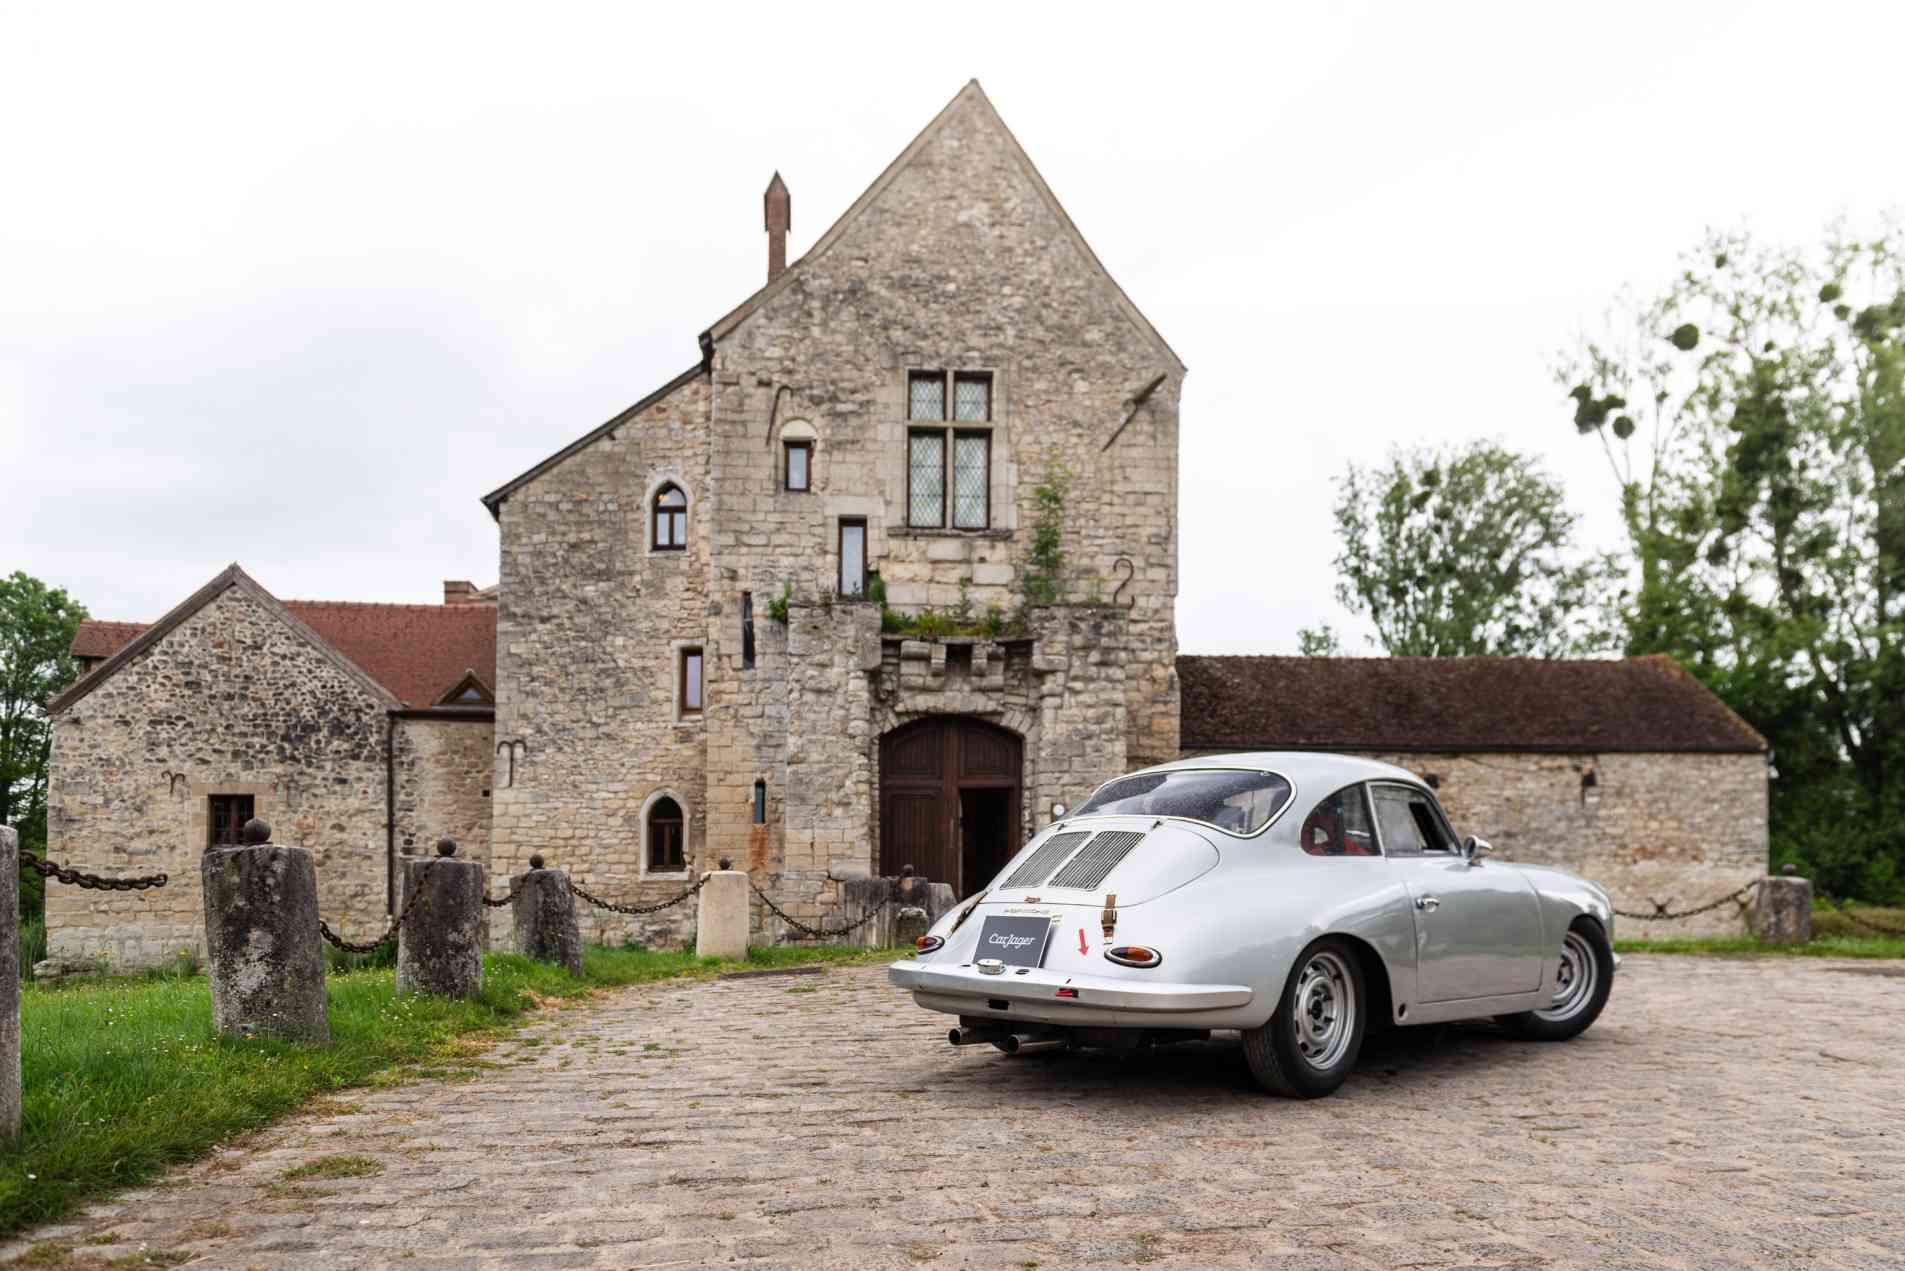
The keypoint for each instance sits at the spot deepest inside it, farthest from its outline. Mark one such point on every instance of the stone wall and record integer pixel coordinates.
(590, 622)
(231, 701)
(444, 768)
(1682, 829)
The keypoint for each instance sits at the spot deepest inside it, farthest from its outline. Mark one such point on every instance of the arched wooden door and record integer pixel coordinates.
(950, 800)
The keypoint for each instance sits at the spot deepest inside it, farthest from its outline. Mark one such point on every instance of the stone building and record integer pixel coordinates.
(691, 653)
(881, 577)
(360, 731)
(1627, 772)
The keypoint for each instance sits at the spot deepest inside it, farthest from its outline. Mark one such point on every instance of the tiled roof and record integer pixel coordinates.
(418, 652)
(1453, 704)
(98, 639)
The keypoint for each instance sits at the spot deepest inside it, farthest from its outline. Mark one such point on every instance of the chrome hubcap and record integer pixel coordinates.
(1574, 979)
(1323, 1010)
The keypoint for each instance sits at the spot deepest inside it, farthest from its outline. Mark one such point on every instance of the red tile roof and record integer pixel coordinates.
(1453, 704)
(418, 652)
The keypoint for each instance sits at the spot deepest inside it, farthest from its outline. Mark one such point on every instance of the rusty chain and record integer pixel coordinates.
(1663, 914)
(822, 933)
(371, 946)
(500, 901)
(599, 903)
(90, 882)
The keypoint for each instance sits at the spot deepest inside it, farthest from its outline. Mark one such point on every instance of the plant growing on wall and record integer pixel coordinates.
(777, 607)
(1045, 560)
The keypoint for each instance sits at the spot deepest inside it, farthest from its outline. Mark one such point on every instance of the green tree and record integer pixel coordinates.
(1464, 552)
(1764, 492)
(1320, 641)
(37, 623)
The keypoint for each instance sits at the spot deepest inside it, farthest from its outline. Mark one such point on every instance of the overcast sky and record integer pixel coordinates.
(294, 286)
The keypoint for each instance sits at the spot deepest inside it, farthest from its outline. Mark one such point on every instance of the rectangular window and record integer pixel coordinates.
(760, 803)
(972, 397)
(972, 480)
(228, 816)
(747, 631)
(926, 478)
(853, 557)
(799, 469)
(691, 681)
(926, 396)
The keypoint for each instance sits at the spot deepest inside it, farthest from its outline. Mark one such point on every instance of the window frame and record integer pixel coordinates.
(747, 635)
(677, 865)
(1276, 817)
(759, 800)
(945, 458)
(806, 447)
(656, 513)
(841, 527)
(1369, 812)
(1454, 849)
(945, 399)
(952, 471)
(969, 377)
(247, 803)
(683, 653)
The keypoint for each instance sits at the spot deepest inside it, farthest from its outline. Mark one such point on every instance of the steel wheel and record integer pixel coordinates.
(1324, 1009)
(1574, 982)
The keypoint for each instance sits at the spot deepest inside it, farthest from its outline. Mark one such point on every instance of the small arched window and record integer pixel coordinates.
(666, 835)
(671, 519)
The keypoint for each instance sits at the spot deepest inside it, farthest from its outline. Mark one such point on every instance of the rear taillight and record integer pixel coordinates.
(1136, 955)
(926, 944)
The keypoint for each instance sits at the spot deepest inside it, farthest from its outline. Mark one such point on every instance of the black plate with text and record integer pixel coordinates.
(1014, 941)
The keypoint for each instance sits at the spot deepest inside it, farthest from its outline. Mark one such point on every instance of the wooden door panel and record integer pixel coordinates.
(915, 830)
(923, 767)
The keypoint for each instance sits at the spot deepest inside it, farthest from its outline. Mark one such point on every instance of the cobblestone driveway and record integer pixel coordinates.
(1720, 1114)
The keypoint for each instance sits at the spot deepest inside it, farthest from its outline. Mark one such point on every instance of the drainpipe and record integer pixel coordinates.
(390, 812)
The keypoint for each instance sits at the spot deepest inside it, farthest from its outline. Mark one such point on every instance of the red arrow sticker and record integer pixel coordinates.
(1082, 946)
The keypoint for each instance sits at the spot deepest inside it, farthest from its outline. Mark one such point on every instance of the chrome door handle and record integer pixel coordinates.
(1430, 903)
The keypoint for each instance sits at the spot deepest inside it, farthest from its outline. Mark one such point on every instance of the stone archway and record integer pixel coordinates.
(950, 799)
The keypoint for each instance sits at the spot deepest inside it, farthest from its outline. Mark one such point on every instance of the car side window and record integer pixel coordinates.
(1409, 822)
(1340, 826)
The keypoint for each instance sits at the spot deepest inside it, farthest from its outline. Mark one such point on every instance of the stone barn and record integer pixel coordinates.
(359, 731)
(1627, 772)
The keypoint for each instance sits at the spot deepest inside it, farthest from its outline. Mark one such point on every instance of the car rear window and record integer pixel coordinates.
(1231, 799)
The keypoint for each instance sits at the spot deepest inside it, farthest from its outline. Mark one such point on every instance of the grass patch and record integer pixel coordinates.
(124, 1077)
(1820, 946)
(336, 1167)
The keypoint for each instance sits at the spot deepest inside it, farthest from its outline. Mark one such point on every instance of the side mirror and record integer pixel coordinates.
(1473, 849)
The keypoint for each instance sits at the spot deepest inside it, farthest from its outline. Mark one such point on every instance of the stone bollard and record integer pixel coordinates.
(264, 956)
(544, 911)
(10, 987)
(440, 945)
(909, 925)
(1782, 911)
(721, 916)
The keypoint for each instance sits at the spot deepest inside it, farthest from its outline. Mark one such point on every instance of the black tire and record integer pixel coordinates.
(1310, 1044)
(1584, 948)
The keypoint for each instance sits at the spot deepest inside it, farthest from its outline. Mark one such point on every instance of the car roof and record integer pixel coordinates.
(1317, 771)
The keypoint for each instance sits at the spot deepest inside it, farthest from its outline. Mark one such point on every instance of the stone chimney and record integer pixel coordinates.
(780, 218)
(458, 591)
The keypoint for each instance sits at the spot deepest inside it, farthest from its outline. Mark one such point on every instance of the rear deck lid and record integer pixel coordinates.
(1079, 862)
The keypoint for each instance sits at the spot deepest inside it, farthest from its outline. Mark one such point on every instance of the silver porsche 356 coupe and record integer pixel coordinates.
(1300, 898)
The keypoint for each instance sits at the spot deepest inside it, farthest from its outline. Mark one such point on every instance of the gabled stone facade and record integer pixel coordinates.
(957, 261)
(232, 695)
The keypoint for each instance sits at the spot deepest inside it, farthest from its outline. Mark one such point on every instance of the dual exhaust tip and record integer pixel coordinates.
(1009, 1042)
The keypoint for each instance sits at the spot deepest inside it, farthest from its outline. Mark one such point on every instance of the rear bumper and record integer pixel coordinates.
(963, 990)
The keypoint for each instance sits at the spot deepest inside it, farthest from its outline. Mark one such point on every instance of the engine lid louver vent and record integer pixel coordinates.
(1039, 866)
(1097, 859)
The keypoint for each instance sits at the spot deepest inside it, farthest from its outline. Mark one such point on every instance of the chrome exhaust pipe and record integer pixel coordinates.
(1023, 1044)
(969, 1036)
